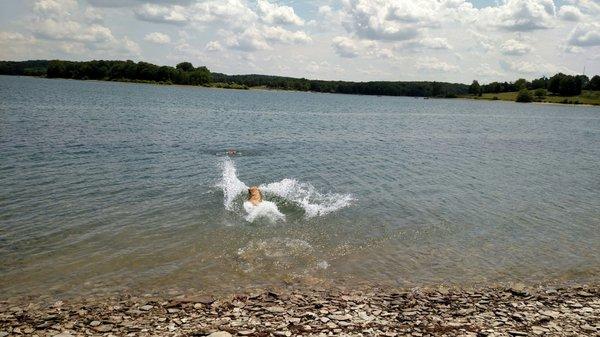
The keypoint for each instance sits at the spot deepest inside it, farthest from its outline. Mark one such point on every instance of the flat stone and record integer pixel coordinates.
(147, 307)
(517, 333)
(173, 311)
(518, 290)
(3, 333)
(103, 328)
(205, 300)
(220, 334)
(588, 328)
(95, 323)
(550, 313)
(341, 317)
(63, 334)
(276, 309)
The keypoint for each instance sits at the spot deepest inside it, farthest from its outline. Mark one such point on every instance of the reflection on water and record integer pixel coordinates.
(109, 186)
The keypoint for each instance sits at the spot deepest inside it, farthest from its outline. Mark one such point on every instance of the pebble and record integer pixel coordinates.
(340, 317)
(103, 328)
(275, 309)
(220, 334)
(494, 312)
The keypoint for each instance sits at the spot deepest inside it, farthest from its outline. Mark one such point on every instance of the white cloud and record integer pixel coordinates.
(521, 15)
(279, 34)
(434, 64)
(514, 47)
(570, 13)
(72, 31)
(162, 14)
(76, 30)
(345, 47)
(233, 13)
(251, 39)
(436, 43)
(280, 15)
(532, 68)
(158, 38)
(386, 19)
(585, 35)
(485, 70)
(325, 10)
(54, 7)
(93, 15)
(128, 47)
(214, 46)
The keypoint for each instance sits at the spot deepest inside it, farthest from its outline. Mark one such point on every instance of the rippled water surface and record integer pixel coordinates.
(108, 186)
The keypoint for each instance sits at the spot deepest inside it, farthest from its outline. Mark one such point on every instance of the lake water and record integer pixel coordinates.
(109, 186)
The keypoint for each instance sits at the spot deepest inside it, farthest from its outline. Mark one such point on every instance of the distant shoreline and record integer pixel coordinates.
(264, 88)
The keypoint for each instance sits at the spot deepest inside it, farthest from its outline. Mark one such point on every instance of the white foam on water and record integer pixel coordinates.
(265, 209)
(304, 195)
(231, 185)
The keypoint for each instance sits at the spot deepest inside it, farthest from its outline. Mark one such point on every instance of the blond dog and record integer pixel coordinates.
(254, 195)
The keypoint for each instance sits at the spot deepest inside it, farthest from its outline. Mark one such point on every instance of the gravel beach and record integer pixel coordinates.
(515, 310)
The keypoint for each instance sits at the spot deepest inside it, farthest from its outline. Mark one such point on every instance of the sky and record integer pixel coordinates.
(359, 40)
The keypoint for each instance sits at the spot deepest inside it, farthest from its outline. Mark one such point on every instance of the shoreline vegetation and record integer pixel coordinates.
(560, 88)
(514, 310)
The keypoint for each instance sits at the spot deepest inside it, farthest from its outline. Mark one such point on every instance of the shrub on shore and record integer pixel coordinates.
(524, 96)
(540, 93)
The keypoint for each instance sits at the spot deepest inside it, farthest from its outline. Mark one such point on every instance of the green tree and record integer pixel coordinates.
(524, 96)
(538, 83)
(582, 81)
(521, 83)
(594, 83)
(569, 86)
(554, 83)
(475, 88)
(185, 66)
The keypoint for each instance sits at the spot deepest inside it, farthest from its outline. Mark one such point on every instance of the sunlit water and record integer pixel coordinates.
(109, 186)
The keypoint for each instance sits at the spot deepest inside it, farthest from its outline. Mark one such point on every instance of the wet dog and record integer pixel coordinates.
(254, 195)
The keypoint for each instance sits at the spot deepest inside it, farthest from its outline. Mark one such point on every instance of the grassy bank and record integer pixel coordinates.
(586, 97)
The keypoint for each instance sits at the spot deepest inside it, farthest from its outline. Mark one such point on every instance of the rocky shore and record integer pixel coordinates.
(490, 311)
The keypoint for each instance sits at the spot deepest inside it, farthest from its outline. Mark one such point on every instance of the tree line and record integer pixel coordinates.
(183, 73)
(559, 84)
(186, 73)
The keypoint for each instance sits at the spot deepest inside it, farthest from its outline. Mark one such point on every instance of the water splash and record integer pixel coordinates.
(304, 195)
(231, 185)
(265, 209)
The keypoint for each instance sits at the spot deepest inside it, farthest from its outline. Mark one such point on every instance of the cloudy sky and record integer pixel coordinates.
(450, 40)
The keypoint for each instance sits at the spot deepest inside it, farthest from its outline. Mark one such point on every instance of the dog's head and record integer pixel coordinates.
(254, 194)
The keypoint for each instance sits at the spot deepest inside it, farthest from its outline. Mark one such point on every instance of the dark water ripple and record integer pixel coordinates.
(107, 186)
